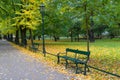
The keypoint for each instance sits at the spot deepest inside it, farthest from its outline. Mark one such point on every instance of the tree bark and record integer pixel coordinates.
(17, 37)
(34, 37)
(8, 37)
(11, 37)
(31, 37)
(5, 36)
(56, 38)
(23, 37)
(0, 36)
(91, 31)
(39, 37)
(71, 35)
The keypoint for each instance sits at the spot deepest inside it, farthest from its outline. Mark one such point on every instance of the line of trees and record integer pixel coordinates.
(17, 18)
(22, 19)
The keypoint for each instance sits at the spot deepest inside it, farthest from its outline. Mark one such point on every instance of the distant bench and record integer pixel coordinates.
(77, 57)
(35, 47)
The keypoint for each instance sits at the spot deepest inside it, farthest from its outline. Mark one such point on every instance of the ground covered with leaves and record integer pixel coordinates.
(104, 58)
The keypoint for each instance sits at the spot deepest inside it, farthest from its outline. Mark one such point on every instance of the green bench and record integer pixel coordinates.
(35, 47)
(77, 57)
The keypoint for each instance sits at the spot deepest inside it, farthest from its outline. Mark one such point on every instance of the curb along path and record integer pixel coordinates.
(17, 66)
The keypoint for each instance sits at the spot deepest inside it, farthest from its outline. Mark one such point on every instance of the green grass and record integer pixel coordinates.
(105, 55)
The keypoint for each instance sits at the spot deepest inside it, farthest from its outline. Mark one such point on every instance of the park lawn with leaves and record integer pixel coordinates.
(105, 55)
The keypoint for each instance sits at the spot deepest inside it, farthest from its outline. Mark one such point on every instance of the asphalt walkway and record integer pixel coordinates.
(17, 66)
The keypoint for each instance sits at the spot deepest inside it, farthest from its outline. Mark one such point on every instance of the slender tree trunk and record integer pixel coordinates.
(78, 37)
(39, 37)
(24, 39)
(11, 37)
(31, 37)
(5, 36)
(87, 28)
(34, 37)
(91, 31)
(21, 32)
(56, 38)
(71, 35)
(91, 35)
(8, 37)
(0, 36)
(112, 36)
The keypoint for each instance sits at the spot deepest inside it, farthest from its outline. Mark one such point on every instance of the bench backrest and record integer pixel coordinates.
(77, 52)
(71, 50)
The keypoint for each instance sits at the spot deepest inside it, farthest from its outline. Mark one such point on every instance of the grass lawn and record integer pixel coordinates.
(105, 55)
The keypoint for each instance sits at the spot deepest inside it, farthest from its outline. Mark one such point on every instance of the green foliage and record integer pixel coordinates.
(54, 19)
(60, 16)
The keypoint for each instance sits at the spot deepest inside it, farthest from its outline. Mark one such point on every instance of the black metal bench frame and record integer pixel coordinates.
(74, 59)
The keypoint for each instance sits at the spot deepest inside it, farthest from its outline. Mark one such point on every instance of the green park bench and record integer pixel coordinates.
(35, 47)
(77, 57)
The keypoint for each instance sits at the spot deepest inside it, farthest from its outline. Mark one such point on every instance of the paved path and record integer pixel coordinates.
(17, 66)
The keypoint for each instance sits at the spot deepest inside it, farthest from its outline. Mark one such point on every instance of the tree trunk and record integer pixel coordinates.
(112, 36)
(31, 37)
(78, 37)
(39, 37)
(56, 38)
(91, 31)
(23, 37)
(17, 37)
(91, 35)
(0, 36)
(71, 35)
(5, 37)
(11, 37)
(8, 37)
(34, 37)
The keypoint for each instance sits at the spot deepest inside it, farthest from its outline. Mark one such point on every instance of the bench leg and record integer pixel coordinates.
(34, 50)
(85, 69)
(88, 69)
(66, 63)
(58, 60)
(76, 68)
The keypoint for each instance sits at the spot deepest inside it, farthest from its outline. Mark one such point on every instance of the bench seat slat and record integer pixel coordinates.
(76, 60)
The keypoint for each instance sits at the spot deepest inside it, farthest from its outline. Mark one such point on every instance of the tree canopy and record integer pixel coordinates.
(61, 17)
